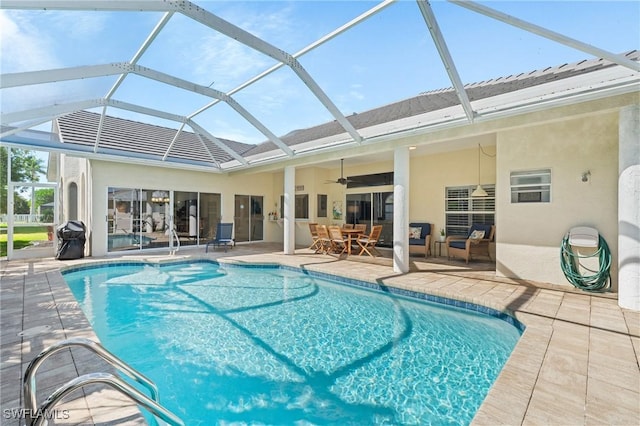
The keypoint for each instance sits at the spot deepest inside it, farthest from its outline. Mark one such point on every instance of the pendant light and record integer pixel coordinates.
(479, 192)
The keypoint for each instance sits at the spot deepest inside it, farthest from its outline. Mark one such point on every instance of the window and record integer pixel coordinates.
(301, 206)
(377, 179)
(461, 209)
(322, 205)
(532, 186)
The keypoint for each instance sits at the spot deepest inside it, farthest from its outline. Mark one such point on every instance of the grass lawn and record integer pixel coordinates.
(22, 237)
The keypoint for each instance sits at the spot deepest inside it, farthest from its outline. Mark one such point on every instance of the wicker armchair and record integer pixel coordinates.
(468, 247)
(421, 245)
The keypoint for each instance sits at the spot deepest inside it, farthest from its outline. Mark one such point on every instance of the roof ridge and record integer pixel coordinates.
(581, 64)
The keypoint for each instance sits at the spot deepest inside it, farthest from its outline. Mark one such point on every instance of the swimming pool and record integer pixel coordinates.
(270, 345)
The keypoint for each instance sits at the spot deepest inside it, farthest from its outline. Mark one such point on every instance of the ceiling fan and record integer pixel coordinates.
(341, 180)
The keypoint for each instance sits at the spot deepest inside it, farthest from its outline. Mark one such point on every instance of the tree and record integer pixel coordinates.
(43, 196)
(25, 167)
(20, 205)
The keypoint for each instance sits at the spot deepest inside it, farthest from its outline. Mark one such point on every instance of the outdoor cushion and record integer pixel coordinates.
(416, 241)
(458, 244)
(477, 235)
(426, 229)
(479, 227)
(414, 232)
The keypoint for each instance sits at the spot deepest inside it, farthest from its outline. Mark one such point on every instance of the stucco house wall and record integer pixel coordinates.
(107, 174)
(529, 234)
(431, 174)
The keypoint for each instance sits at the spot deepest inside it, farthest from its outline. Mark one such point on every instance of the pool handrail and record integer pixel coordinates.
(29, 380)
(115, 382)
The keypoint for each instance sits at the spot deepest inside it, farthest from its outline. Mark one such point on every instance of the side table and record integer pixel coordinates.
(438, 247)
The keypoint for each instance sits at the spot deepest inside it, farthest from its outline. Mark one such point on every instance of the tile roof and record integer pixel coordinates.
(149, 140)
(442, 98)
(153, 142)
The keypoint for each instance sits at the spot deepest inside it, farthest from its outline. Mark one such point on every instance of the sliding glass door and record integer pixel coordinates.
(249, 218)
(372, 208)
(185, 217)
(137, 219)
(153, 218)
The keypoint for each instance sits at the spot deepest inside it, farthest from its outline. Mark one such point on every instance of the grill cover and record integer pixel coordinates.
(71, 239)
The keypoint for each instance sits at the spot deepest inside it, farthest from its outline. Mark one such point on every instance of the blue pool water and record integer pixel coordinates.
(276, 346)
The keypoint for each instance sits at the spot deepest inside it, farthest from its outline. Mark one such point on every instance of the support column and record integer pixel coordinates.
(401, 210)
(289, 218)
(629, 208)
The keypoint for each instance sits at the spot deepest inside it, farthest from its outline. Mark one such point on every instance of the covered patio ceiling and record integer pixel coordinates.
(223, 115)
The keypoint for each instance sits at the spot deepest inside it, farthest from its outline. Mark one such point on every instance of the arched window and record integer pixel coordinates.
(73, 201)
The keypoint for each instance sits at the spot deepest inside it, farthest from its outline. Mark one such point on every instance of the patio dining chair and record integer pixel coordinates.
(315, 242)
(368, 243)
(324, 241)
(362, 227)
(223, 235)
(338, 243)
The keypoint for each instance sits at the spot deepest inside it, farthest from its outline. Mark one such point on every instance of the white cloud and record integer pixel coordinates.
(228, 62)
(24, 46)
(27, 45)
(225, 61)
(78, 25)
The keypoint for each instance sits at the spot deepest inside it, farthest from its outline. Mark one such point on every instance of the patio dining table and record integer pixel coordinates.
(348, 234)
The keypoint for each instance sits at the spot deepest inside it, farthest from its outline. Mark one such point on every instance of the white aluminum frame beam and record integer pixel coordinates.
(445, 56)
(196, 127)
(61, 109)
(551, 35)
(26, 126)
(369, 13)
(62, 74)
(123, 68)
(217, 163)
(49, 111)
(136, 57)
(173, 141)
(206, 18)
(248, 39)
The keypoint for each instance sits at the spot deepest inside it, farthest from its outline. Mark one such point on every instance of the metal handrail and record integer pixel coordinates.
(29, 381)
(177, 239)
(118, 384)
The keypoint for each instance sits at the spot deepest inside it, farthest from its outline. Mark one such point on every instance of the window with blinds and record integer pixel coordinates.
(461, 209)
(531, 186)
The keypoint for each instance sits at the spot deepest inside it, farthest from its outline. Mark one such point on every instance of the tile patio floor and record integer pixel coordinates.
(577, 362)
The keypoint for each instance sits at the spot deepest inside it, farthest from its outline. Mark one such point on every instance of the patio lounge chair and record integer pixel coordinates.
(223, 237)
(466, 247)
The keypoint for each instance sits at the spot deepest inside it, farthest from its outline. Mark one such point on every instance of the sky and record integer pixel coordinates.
(387, 58)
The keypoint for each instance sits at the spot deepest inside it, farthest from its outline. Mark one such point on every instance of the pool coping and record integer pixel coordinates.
(359, 283)
(560, 371)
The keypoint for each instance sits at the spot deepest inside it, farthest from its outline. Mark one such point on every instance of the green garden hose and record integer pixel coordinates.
(570, 261)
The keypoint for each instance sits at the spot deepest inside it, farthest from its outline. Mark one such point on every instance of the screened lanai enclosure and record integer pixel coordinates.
(223, 73)
(233, 88)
